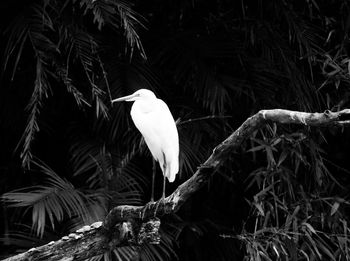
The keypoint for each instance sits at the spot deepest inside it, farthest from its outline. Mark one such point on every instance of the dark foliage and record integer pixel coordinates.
(67, 155)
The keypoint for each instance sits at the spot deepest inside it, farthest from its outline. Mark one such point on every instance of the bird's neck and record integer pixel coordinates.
(145, 105)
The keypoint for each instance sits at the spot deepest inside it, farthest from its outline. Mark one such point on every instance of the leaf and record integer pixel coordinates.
(335, 207)
(117, 14)
(310, 228)
(282, 157)
(55, 200)
(71, 88)
(314, 245)
(257, 148)
(41, 88)
(326, 249)
(292, 217)
(259, 208)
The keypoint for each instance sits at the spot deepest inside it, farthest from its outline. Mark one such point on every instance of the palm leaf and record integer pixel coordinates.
(62, 74)
(163, 251)
(56, 199)
(24, 238)
(103, 167)
(130, 20)
(125, 253)
(41, 88)
(117, 14)
(30, 28)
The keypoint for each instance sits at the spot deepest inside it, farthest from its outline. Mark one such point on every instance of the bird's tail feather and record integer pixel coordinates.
(171, 170)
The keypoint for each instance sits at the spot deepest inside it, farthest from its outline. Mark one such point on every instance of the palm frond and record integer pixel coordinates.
(195, 61)
(103, 11)
(121, 178)
(31, 25)
(41, 88)
(117, 14)
(71, 88)
(32, 28)
(86, 51)
(78, 44)
(130, 20)
(307, 35)
(16, 40)
(23, 237)
(55, 200)
(126, 253)
(163, 251)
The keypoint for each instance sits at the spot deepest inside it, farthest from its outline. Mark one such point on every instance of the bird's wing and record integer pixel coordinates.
(158, 128)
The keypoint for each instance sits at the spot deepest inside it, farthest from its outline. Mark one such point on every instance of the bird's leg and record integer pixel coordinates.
(163, 195)
(162, 199)
(153, 179)
(154, 169)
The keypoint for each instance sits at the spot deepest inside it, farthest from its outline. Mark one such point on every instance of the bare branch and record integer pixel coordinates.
(86, 242)
(203, 118)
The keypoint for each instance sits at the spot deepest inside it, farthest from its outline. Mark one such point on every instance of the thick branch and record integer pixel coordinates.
(218, 157)
(86, 242)
(97, 239)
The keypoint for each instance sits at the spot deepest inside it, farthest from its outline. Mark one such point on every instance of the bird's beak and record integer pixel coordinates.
(125, 98)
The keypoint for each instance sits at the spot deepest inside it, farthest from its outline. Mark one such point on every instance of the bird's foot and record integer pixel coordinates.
(158, 203)
(148, 205)
(122, 211)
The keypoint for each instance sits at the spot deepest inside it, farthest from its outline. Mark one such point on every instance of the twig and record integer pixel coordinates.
(203, 118)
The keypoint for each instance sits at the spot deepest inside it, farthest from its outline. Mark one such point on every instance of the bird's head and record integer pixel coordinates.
(138, 95)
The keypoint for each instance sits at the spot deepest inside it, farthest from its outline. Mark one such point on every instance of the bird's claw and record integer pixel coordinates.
(121, 211)
(151, 203)
(161, 201)
(148, 205)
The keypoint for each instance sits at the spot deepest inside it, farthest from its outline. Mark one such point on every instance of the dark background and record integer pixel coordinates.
(67, 155)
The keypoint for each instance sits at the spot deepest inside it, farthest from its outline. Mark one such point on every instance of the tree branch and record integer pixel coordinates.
(124, 225)
(87, 242)
(220, 153)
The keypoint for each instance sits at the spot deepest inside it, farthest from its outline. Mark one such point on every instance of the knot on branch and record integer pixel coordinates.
(149, 232)
(126, 231)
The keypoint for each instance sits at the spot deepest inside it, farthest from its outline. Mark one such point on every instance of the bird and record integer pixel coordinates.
(155, 122)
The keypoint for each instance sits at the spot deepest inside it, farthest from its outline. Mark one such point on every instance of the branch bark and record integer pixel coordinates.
(125, 225)
(86, 242)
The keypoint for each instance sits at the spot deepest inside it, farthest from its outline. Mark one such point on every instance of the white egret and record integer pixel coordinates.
(153, 119)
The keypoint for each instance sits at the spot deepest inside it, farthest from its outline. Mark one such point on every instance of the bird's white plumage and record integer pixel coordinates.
(153, 119)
